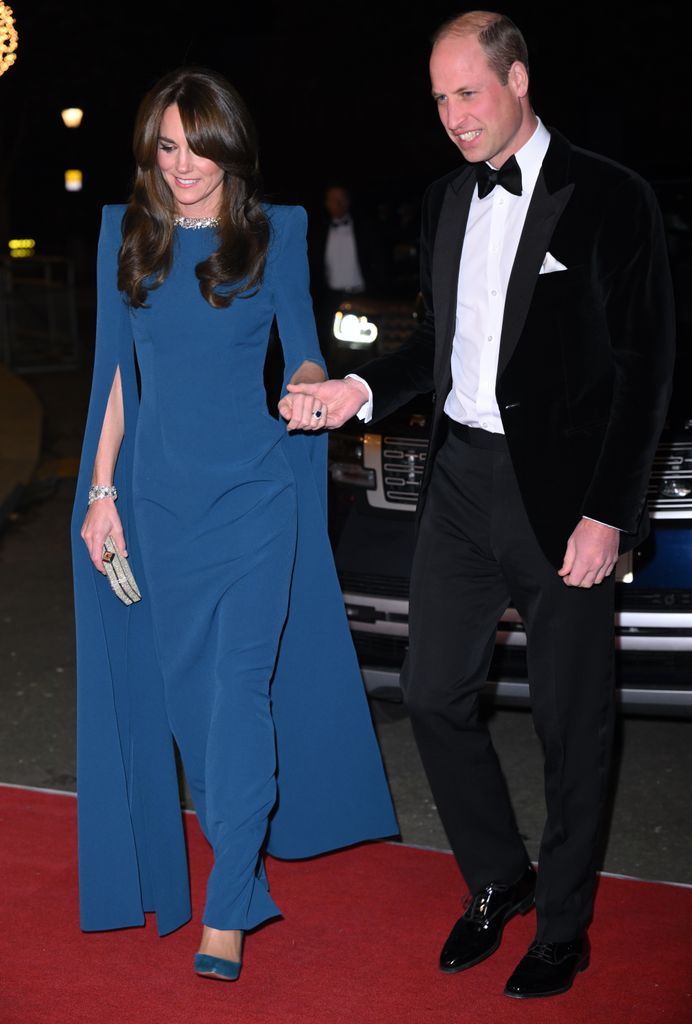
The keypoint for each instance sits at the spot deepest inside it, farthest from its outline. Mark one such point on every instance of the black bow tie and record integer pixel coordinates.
(509, 176)
(342, 222)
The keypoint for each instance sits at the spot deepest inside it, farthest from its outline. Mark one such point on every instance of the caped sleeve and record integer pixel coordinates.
(112, 328)
(318, 808)
(290, 275)
(131, 848)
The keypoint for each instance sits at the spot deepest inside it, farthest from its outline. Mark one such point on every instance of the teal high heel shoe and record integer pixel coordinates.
(215, 967)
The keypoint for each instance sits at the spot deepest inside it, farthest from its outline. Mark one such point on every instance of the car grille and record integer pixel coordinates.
(370, 583)
(671, 477)
(380, 650)
(634, 669)
(389, 652)
(403, 462)
(630, 599)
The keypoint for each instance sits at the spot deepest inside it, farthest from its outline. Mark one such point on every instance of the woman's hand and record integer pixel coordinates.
(303, 412)
(102, 521)
(340, 399)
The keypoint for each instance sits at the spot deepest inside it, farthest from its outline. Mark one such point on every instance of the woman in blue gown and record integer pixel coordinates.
(239, 648)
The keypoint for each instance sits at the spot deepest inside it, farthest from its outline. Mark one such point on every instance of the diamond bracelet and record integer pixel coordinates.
(98, 491)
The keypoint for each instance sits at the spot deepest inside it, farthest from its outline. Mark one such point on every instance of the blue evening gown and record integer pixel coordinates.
(240, 648)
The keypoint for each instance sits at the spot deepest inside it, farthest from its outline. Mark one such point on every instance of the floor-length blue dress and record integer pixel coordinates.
(240, 648)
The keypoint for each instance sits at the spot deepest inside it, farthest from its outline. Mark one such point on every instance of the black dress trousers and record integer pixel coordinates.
(476, 552)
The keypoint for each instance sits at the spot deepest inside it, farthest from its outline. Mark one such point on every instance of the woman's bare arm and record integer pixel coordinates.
(102, 519)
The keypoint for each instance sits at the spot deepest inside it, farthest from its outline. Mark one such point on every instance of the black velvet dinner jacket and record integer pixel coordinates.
(586, 353)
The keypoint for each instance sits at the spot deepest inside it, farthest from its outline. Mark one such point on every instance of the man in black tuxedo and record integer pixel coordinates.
(548, 342)
(346, 253)
(347, 259)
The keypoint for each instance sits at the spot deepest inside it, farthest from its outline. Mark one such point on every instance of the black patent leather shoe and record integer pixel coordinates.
(478, 933)
(548, 969)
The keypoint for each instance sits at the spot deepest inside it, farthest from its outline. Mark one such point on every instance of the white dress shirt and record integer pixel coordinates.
(490, 245)
(491, 240)
(341, 267)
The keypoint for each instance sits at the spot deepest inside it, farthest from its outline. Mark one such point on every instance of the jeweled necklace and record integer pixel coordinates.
(194, 223)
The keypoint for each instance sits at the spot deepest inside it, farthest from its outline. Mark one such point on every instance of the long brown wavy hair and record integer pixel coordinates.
(217, 126)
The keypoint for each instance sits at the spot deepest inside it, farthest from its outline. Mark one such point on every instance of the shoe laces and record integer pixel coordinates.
(542, 951)
(476, 907)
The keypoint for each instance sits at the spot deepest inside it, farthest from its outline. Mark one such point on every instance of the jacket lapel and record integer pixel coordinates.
(449, 239)
(549, 199)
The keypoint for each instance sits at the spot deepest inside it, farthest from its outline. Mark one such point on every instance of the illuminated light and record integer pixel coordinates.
(628, 577)
(8, 39)
(674, 489)
(21, 247)
(354, 330)
(73, 180)
(72, 117)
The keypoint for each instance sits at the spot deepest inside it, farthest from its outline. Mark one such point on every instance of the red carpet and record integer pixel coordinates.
(358, 944)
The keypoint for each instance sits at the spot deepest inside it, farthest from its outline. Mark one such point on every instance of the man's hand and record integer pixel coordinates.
(299, 411)
(342, 398)
(591, 554)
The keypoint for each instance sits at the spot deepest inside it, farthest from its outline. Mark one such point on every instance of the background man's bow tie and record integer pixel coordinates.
(341, 222)
(509, 176)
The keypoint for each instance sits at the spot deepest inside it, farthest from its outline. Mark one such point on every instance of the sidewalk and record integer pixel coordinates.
(21, 424)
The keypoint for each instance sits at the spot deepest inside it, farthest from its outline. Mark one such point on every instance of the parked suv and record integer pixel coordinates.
(375, 475)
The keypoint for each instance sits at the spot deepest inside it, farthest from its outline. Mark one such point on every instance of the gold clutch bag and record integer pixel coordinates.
(119, 574)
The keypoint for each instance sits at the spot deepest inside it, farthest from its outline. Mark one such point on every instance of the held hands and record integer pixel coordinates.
(303, 411)
(100, 522)
(591, 554)
(338, 400)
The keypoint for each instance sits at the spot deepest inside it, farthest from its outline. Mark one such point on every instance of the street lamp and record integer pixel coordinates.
(8, 38)
(73, 180)
(72, 117)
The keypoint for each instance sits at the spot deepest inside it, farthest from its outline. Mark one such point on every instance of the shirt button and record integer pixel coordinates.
(490, 337)
(493, 292)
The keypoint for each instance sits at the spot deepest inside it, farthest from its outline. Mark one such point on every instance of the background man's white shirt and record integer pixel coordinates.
(341, 266)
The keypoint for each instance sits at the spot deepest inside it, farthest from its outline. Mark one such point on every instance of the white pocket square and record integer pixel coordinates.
(550, 265)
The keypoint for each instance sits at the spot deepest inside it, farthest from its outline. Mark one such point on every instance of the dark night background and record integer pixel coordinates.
(337, 91)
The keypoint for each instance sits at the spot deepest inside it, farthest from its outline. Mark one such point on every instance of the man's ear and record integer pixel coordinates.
(518, 79)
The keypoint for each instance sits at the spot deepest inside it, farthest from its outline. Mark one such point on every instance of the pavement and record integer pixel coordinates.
(21, 421)
(649, 830)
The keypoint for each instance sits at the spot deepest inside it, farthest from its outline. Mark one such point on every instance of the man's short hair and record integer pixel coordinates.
(499, 37)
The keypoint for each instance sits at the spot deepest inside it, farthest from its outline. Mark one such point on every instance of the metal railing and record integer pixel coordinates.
(38, 314)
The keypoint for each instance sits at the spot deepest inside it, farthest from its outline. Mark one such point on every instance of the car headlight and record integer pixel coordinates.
(670, 486)
(675, 489)
(350, 329)
(346, 462)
